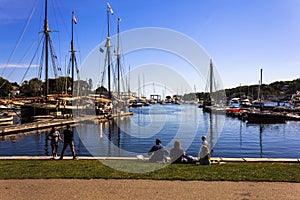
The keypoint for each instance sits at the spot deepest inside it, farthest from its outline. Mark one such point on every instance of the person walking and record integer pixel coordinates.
(68, 141)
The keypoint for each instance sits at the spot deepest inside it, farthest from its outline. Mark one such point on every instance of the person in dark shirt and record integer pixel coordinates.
(158, 152)
(68, 141)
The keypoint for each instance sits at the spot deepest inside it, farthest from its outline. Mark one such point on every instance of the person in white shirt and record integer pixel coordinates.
(205, 152)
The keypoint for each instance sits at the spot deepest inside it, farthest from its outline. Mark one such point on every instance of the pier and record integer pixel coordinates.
(14, 129)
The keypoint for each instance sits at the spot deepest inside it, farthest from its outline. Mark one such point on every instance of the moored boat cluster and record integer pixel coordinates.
(259, 111)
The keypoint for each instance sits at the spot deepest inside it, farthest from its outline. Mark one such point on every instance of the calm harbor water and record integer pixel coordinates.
(134, 135)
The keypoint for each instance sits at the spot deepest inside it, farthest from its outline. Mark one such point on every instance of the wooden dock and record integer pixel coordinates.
(14, 129)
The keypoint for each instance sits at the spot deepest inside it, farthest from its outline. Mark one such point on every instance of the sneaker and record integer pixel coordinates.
(75, 158)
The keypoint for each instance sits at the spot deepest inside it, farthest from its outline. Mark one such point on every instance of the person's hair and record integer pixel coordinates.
(203, 137)
(158, 141)
(177, 144)
(68, 126)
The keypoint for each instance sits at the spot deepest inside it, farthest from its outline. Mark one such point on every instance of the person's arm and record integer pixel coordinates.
(166, 151)
(49, 136)
(150, 152)
(172, 154)
(60, 139)
(183, 153)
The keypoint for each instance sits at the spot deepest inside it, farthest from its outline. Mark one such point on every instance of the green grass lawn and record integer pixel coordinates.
(94, 169)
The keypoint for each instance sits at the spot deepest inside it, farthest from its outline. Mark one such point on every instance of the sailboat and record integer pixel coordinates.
(138, 101)
(115, 101)
(50, 106)
(260, 116)
(214, 104)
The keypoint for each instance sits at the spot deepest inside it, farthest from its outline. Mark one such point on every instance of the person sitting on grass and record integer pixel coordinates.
(158, 152)
(178, 155)
(204, 153)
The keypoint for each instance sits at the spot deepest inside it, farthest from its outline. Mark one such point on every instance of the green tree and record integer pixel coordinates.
(31, 88)
(36, 86)
(5, 87)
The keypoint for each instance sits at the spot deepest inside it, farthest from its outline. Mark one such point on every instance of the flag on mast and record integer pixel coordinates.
(109, 8)
(74, 18)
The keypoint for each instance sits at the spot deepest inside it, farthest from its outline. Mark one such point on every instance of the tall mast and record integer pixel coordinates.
(73, 52)
(259, 89)
(139, 87)
(260, 83)
(109, 11)
(128, 82)
(211, 78)
(118, 57)
(47, 38)
(143, 85)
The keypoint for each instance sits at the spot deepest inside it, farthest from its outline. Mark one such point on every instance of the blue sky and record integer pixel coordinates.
(241, 36)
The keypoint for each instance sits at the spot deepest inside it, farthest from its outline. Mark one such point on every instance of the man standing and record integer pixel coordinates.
(68, 141)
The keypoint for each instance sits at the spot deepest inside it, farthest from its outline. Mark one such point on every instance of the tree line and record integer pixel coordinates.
(280, 90)
(34, 87)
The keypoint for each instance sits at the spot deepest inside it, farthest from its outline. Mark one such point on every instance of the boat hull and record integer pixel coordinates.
(258, 117)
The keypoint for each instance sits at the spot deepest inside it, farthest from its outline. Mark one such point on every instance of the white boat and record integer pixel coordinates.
(2, 107)
(136, 104)
(38, 118)
(245, 103)
(295, 100)
(6, 123)
(6, 120)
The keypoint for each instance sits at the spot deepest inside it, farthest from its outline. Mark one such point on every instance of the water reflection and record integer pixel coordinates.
(216, 124)
(261, 127)
(46, 145)
(133, 135)
(129, 136)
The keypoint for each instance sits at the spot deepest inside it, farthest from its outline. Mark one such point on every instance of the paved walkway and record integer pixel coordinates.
(144, 189)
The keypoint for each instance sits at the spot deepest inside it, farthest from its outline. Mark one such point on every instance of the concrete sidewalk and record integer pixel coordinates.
(213, 159)
(144, 189)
